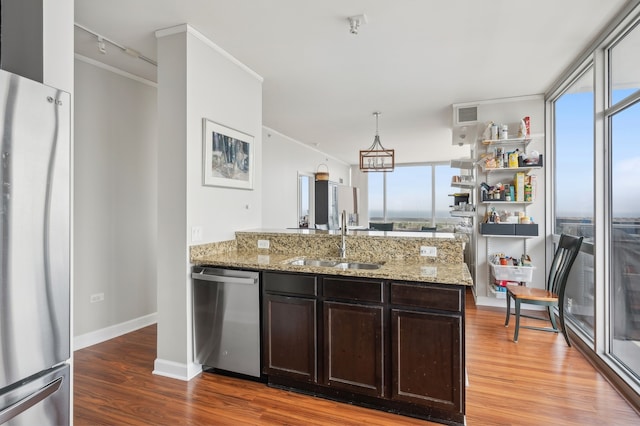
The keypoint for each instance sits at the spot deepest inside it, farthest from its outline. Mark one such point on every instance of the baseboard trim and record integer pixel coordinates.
(176, 370)
(502, 303)
(104, 334)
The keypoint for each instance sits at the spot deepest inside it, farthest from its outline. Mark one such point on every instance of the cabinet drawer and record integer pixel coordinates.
(293, 284)
(427, 297)
(357, 290)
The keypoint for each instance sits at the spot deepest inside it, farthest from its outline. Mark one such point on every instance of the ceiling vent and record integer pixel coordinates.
(465, 115)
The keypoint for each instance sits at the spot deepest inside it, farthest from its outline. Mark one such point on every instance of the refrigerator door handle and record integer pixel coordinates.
(27, 402)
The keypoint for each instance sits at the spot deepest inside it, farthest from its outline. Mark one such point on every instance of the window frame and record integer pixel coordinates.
(599, 351)
(432, 165)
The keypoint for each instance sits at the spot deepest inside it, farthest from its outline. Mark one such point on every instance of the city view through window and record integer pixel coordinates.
(409, 197)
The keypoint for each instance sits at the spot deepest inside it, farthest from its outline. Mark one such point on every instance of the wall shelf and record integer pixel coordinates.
(508, 236)
(463, 163)
(458, 213)
(505, 202)
(463, 184)
(510, 169)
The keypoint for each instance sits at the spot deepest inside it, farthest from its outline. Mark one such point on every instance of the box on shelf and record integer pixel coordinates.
(459, 197)
(504, 283)
(518, 182)
(530, 162)
(499, 292)
(497, 228)
(512, 273)
(527, 229)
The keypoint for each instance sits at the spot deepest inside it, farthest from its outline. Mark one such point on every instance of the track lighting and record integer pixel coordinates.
(101, 46)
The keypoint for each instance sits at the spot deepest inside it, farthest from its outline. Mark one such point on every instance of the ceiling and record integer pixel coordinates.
(411, 60)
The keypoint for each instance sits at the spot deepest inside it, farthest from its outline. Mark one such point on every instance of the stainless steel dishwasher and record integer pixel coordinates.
(226, 312)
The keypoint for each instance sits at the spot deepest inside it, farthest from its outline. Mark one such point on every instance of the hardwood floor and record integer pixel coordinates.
(537, 381)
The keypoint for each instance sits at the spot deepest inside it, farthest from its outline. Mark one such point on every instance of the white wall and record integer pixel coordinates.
(58, 44)
(196, 80)
(115, 204)
(283, 158)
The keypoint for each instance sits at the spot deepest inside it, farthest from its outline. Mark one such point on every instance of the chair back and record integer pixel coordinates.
(387, 226)
(563, 259)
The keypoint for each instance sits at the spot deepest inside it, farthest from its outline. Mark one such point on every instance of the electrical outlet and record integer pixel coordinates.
(196, 234)
(428, 251)
(98, 297)
(263, 244)
(429, 271)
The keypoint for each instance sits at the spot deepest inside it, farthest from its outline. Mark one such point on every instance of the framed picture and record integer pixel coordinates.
(227, 157)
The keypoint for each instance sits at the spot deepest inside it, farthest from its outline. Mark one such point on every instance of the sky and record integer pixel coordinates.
(574, 156)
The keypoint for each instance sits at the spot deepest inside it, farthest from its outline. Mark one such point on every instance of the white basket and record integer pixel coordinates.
(512, 273)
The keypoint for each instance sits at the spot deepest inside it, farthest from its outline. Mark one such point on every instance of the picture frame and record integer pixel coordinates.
(227, 157)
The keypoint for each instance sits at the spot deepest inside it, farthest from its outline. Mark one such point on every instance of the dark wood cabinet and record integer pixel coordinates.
(427, 342)
(395, 346)
(290, 326)
(353, 347)
(426, 358)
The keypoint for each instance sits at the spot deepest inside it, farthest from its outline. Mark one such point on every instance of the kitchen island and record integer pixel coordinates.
(390, 338)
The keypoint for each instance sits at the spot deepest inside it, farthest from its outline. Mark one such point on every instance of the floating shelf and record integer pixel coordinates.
(504, 202)
(463, 163)
(510, 169)
(507, 236)
(510, 141)
(457, 213)
(463, 184)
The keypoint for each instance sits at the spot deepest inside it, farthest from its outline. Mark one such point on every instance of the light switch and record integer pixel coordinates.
(196, 234)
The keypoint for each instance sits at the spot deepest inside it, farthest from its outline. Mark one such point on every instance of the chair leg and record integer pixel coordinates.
(506, 320)
(515, 334)
(552, 318)
(563, 325)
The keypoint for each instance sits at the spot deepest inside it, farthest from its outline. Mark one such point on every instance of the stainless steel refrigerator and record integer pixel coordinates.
(34, 253)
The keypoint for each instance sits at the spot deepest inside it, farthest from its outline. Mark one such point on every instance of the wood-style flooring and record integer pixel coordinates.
(538, 381)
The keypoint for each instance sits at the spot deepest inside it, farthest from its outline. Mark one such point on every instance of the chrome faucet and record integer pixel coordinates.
(343, 234)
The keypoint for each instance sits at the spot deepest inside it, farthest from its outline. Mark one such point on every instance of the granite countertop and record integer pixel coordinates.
(393, 269)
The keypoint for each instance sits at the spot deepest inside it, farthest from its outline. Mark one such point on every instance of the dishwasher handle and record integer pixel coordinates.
(223, 278)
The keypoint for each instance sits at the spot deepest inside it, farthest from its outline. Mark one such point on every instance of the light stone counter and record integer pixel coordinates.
(398, 252)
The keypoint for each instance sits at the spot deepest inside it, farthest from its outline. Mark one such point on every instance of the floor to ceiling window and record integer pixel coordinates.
(574, 208)
(413, 197)
(595, 115)
(625, 238)
(624, 216)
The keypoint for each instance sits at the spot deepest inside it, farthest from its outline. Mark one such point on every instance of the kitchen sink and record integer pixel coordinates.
(334, 264)
(358, 265)
(313, 262)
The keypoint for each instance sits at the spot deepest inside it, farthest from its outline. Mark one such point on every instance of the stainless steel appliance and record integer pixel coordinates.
(34, 253)
(226, 307)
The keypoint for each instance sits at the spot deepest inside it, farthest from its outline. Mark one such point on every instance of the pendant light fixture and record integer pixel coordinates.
(376, 158)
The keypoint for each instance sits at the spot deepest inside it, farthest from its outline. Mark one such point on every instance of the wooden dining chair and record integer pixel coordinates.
(377, 226)
(553, 295)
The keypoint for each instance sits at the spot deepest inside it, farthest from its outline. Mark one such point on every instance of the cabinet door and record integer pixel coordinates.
(353, 348)
(427, 359)
(290, 337)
